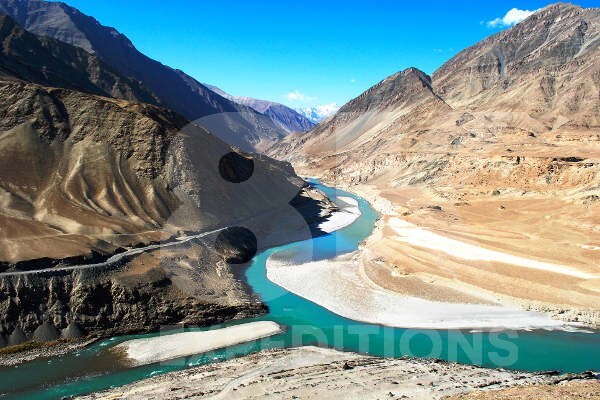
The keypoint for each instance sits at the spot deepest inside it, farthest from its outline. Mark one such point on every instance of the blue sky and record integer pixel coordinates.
(302, 53)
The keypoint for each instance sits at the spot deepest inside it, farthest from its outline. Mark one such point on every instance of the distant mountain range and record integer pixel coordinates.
(318, 113)
(240, 125)
(293, 120)
(288, 119)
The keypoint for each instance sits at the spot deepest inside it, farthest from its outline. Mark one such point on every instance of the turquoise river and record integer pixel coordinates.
(94, 368)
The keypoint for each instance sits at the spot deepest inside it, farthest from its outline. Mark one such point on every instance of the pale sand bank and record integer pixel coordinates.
(417, 236)
(339, 286)
(348, 213)
(314, 373)
(168, 347)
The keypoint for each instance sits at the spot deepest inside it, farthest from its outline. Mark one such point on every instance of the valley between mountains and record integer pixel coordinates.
(134, 197)
(93, 164)
(493, 157)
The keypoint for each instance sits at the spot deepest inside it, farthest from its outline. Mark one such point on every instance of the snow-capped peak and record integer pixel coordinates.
(318, 113)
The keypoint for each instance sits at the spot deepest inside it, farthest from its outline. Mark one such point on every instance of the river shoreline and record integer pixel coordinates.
(311, 372)
(295, 313)
(339, 286)
(342, 286)
(176, 345)
(140, 269)
(370, 262)
(32, 350)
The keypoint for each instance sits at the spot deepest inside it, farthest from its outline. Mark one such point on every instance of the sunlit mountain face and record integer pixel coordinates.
(441, 225)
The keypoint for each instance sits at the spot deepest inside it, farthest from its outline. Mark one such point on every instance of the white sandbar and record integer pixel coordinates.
(338, 286)
(171, 346)
(347, 214)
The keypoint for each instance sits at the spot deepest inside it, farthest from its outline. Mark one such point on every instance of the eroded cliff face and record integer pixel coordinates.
(78, 169)
(142, 294)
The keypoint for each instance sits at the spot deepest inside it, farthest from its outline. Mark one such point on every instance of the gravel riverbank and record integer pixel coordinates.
(311, 372)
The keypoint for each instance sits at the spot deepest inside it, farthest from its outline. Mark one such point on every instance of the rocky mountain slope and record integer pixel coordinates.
(289, 120)
(87, 170)
(84, 176)
(77, 167)
(499, 148)
(80, 171)
(50, 62)
(171, 88)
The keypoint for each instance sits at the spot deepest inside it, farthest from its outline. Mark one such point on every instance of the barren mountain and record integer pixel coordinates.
(289, 120)
(50, 62)
(83, 172)
(242, 126)
(89, 172)
(498, 150)
(84, 176)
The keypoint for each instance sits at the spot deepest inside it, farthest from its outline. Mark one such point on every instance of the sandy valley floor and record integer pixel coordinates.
(513, 251)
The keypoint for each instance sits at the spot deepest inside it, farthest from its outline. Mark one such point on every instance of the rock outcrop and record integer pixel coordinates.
(50, 305)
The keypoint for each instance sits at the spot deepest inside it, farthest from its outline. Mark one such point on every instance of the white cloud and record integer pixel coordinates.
(297, 96)
(512, 17)
(352, 80)
(327, 109)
